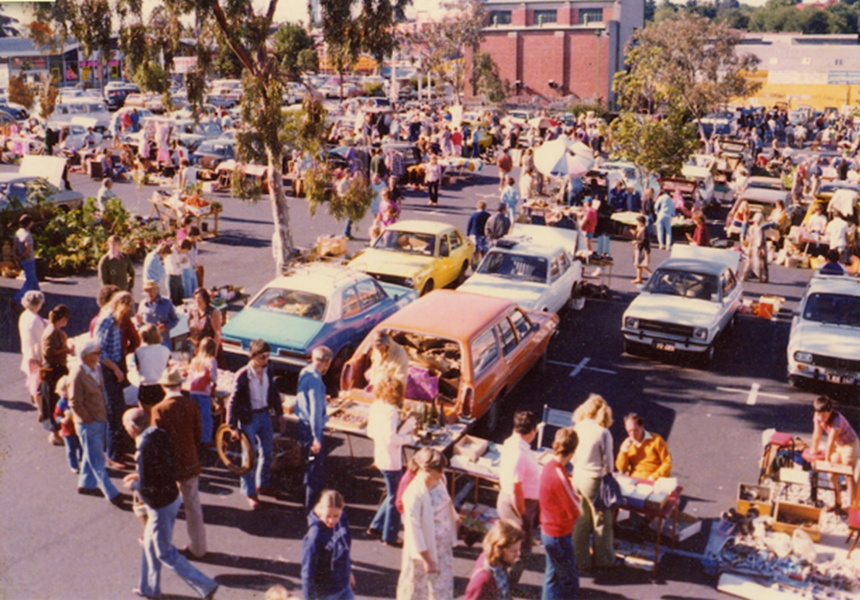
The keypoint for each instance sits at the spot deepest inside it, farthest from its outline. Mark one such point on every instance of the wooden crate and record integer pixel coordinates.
(786, 511)
(764, 505)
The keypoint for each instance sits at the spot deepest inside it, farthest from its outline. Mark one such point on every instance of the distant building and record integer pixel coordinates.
(815, 70)
(554, 50)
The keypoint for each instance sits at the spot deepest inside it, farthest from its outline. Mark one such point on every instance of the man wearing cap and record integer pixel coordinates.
(157, 310)
(387, 359)
(155, 482)
(179, 416)
(89, 409)
(254, 397)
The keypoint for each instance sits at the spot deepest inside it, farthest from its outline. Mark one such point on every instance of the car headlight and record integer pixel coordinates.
(700, 333)
(631, 323)
(803, 357)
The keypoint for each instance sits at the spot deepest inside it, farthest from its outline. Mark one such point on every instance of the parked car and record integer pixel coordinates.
(689, 301)
(67, 111)
(73, 134)
(759, 199)
(423, 255)
(824, 343)
(18, 111)
(42, 174)
(478, 347)
(210, 153)
(311, 306)
(115, 94)
(537, 271)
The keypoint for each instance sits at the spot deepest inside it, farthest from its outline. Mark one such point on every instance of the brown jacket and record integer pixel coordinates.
(86, 398)
(180, 417)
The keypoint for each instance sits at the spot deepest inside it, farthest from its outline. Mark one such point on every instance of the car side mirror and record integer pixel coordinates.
(535, 327)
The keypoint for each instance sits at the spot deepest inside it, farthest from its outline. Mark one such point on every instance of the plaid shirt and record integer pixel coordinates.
(109, 335)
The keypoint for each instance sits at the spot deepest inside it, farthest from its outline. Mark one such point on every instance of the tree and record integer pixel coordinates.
(237, 25)
(295, 50)
(657, 146)
(442, 43)
(486, 79)
(48, 98)
(20, 91)
(685, 62)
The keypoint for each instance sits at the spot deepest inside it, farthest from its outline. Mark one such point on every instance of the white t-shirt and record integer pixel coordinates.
(837, 233)
(151, 361)
(518, 464)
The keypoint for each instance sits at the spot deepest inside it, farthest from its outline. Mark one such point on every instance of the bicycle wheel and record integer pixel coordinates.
(237, 455)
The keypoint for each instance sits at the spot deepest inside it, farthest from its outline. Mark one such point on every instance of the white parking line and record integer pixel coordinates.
(577, 368)
(753, 393)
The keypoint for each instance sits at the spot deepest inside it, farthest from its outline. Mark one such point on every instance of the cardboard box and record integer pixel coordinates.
(763, 502)
(656, 501)
(471, 447)
(788, 514)
(687, 527)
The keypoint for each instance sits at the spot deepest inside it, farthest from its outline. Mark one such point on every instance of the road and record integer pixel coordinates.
(56, 544)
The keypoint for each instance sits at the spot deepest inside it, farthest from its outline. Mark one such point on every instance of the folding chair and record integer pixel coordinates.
(552, 417)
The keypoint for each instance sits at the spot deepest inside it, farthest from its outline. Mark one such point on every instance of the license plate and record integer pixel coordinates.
(837, 378)
(664, 346)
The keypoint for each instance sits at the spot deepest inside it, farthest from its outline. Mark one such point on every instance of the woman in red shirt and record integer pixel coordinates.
(559, 510)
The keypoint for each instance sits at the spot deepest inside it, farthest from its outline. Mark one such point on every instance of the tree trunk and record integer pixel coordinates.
(282, 239)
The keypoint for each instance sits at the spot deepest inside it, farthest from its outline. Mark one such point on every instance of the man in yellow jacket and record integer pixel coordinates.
(643, 454)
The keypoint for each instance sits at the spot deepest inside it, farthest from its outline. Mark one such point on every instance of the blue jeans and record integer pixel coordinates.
(189, 282)
(261, 436)
(314, 471)
(347, 229)
(387, 519)
(204, 401)
(93, 473)
(561, 580)
(117, 438)
(664, 232)
(603, 243)
(158, 549)
(345, 594)
(31, 282)
(74, 452)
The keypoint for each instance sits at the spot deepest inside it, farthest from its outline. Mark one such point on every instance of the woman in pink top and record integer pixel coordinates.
(842, 447)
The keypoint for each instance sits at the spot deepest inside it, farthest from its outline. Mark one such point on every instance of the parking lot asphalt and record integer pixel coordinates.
(56, 544)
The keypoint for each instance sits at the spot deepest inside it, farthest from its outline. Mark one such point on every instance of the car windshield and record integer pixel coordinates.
(515, 266)
(291, 302)
(837, 309)
(686, 284)
(406, 241)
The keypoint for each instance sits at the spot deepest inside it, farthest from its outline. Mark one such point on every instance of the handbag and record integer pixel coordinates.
(609, 497)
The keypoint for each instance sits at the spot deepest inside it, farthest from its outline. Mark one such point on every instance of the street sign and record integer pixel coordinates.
(843, 77)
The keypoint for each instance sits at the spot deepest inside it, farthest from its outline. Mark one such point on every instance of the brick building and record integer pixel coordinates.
(559, 49)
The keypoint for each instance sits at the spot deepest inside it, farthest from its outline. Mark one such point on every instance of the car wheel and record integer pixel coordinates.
(462, 276)
(796, 382)
(428, 287)
(707, 357)
(542, 363)
(632, 348)
(577, 299)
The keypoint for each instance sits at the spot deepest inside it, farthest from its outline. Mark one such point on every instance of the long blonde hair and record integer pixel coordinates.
(596, 409)
(206, 351)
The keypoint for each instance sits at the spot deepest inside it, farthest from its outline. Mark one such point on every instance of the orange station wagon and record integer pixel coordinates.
(478, 347)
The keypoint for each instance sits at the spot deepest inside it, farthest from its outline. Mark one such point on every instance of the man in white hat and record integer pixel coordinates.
(89, 408)
(179, 416)
(157, 310)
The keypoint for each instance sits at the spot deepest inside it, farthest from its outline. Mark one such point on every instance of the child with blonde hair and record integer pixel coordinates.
(203, 375)
(326, 562)
(63, 417)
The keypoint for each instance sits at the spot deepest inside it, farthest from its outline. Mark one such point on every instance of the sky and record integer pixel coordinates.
(288, 10)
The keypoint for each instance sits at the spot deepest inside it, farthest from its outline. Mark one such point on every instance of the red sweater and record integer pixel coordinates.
(559, 504)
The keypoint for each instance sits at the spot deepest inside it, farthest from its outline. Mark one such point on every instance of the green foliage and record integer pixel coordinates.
(581, 108)
(374, 89)
(48, 98)
(774, 16)
(656, 146)
(291, 45)
(486, 79)
(20, 91)
(73, 241)
(353, 204)
(151, 77)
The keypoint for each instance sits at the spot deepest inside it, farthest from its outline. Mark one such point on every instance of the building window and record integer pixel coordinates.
(500, 17)
(544, 17)
(838, 62)
(590, 15)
